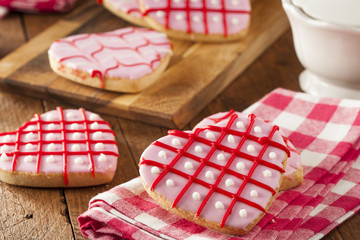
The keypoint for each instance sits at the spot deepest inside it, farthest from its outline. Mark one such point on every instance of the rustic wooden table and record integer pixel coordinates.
(29, 213)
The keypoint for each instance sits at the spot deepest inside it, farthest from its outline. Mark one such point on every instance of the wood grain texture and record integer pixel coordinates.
(177, 96)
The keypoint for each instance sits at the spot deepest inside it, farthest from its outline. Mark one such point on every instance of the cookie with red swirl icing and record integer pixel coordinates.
(293, 175)
(128, 10)
(199, 20)
(124, 60)
(59, 148)
(223, 176)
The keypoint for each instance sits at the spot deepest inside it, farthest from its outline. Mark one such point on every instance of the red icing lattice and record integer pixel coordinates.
(130, 46)
(192, 137)
(39, 123)
(189, 10)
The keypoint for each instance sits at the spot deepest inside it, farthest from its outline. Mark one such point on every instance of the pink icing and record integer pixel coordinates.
(39, 5)
(128, 53)
(201, 148)
(131, 7)
(201, 16)
(64, 136)
(293, 162)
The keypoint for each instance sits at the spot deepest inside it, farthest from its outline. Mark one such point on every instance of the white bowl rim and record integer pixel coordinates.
(289, 4)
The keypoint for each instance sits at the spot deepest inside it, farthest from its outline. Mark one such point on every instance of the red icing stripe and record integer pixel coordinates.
(63, 131)
(265, 141)
(98, 73)
(188, 10)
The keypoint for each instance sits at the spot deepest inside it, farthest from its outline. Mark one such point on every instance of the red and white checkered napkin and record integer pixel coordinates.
(327, 133)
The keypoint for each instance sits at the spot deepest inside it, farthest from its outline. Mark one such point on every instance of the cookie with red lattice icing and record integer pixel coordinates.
(199, 20)
(124, 60)
(128, 10)
(60, 148)
(293, 175)
(223, 176)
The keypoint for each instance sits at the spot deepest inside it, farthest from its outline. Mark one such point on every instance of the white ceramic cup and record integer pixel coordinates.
(330, 54)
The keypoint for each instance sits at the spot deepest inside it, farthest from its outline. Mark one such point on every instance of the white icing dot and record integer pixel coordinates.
(29, 158)
(243, 213)
(70, 115)
(50, 137)
(175, 142)
(5, 148)
(97, 135)
(51, 147)
(155, 170)
(257, 129)
(51, 126)
(179, 17)
(74, 126)
(176, 1)
(240, 166)
(160, 13)
(209, 175)
(75, 147)
(210, 135)
(169, 183)
(250, 148)
(267, 173)
(240, 124)
(216, 19)
(76, 135)
(235, 2)
(79, 160)
(162, 154)
(30, 136)
(99, 146)
(7, 138)
(102, 158)
(29, 146)
(219, 205)
(95, 125)
(272, 155)
(4, 157)
(194, 1)
(31, 128)
(50, 117)
(231, 139)
(214, 2)
(93, 117)
(196, 196)
(196, 18)
(220, 157)
(198, 149)
(229, 182)
(50, 159)
(253, 193)
(188, 165)
(235, 21)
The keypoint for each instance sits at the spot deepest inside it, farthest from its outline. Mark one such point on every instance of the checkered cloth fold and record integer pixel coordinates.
(325, 130)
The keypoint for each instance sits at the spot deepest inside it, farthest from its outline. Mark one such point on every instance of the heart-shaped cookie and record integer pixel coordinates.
(128, 10)
(60, 148)
(199, 20)
(124, 60)
(293, 175)
(222, 176)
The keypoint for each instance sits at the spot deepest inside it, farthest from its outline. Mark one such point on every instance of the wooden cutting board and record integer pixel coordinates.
(196, 74)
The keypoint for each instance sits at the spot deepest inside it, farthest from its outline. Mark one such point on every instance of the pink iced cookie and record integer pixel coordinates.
(199, 20)
(293, 176)
(38, 6)
(223, 177)
(129, 10)
(60, 148)
(124, 60)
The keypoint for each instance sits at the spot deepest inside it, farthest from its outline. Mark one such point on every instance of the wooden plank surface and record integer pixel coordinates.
(178, 95)
(29, 213)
